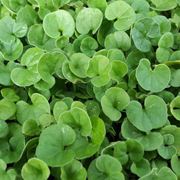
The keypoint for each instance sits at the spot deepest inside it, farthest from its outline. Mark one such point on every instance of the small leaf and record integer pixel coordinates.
(8, 109)
(175, 108)
(100, 169)
(153, 116)
(36, 169)
(113, 102)
(74, 171)
(88, 19)
(152, 80)
(57, 23)
(53, 145)
(121, 11)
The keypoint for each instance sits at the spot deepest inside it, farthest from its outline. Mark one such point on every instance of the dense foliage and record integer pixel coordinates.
(90, 89)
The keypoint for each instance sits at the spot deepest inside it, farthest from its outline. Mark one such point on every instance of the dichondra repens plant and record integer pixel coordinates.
(89, 89)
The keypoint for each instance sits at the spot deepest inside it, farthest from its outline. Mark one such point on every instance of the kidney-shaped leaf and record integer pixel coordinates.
(175, 164)
(105, 167)
(7, 109)
(77, 118)
(163, 173)
(152, 116)
(73, 171)
(153, 80)
(12, 145)
(35, 169)
(121, 11)
(41, 40)
(79, 64)
(175, 107)
(164, 5)
(33, 111)
(53, 145)
(89, 19)
(49, 64)
(59, 23)
(114, 101)
(150, 141)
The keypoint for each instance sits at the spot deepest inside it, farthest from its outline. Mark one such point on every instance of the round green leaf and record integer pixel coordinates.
(8, 109)
(119, 40)
(150, 141)
(27, 15)
(33, 111)
(30, 128)
(163, 173)
(113, 102)
(118, 70)
(57, 23)
(175, 132)
(59, 108)
(13, 144)
(175, 164)
(49, 64)
(24, 77)
(54, 142)
(35, 169)
(4, 129)
(121, 11)
(73, 171)
(41, 40)
(88, 46)
(79, 64)
(100, 4)
(152, 80)
(152, 116)
(175, 108)
(77, 119)
(101, 169)
(9, 94)
(141, 167)
(164, 5)
(14, 5)
(11, 50)
(88, 19)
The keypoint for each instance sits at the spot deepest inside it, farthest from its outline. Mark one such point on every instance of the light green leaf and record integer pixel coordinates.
(79, 64)
(124, 14)
(119, 40)
(164, 5)
(59, 23)
(154, 80)
(175, 164)
(73, 171)
(8, 109)
(54, 142)
(41, 40)
(77, 119)
(152, 116)
(13, 144)
(33, 111)
(100, 169)
(175, 108)
(163, 173)
(118, 70)
(150, 141)
(35, 169)
(113, 102)
(11, 50)
(100, 4)
(88, 19)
